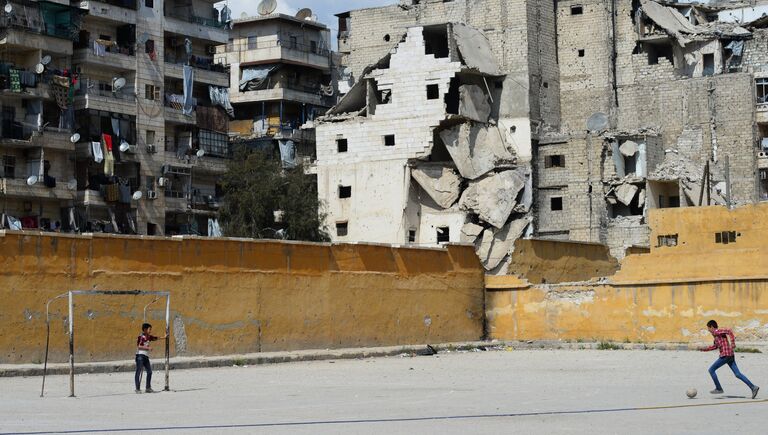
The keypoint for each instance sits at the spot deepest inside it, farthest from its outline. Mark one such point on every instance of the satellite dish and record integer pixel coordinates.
(597, 122)
(143, 38)
(200, 152)
(304, 14)
(39, 68)
(72, 185)
(32, 180)
(8, 8)
(45, 60)
(244, 15)
(266, 7)
(75, 138)
(118, 83)
(124, 147)
(137, 195)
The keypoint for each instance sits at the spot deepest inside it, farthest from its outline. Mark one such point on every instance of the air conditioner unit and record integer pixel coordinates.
(151, 149)
(151, 194)
(162, 181)
(210, 49)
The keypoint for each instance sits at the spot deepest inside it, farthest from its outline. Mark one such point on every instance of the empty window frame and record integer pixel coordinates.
(669, 240)
(411, 236)
(342, 145)
(443, 234)
(556, 203)
(345, 192)
(726, 237)
(389, 140)
(433, 92)
(556, 161)
(761, 86)
(149, 3)
(9, 167)
(577, 10)
(709, 65)
(342, 229)
(152, 92)
(581, 52)
(763, 176)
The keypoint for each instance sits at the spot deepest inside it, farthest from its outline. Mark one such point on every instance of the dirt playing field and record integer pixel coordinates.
(546, 391)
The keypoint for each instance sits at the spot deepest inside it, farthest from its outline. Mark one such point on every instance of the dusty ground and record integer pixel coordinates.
(525, 392)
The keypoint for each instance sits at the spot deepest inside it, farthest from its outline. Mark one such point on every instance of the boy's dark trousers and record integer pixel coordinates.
(142, 363)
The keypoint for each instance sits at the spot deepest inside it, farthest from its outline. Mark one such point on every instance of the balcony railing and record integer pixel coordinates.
(196, 19)
(240, 46)
(127, 4)
(44, 18)
(93, 87)
(201, 62)
(17, 79)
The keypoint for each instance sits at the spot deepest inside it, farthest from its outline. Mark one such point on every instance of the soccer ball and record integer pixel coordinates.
(691, 393)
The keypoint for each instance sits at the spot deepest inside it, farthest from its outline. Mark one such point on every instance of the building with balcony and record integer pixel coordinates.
(36, 174)
(280, 80)
(146, 75)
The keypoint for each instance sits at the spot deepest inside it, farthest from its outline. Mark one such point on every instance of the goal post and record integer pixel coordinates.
(158, 294)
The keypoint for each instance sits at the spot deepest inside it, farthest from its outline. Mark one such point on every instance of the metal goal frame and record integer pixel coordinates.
(71, 325)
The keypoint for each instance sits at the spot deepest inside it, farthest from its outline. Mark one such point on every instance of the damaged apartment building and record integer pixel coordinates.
(486, 121)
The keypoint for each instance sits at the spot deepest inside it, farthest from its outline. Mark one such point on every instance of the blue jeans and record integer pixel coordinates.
(731, 361)
(142, 363)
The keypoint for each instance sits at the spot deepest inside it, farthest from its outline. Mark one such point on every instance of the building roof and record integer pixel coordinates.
(281, 17)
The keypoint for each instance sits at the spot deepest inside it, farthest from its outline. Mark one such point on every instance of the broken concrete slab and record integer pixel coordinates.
(629, 148)
(470, 232)
(626, 193)
(618, 160)
(494, 197)
(526, 199)
(641, 198)
(475, 50)
(476, 149)
(503, 243)
(669, 19)
(484, 245)
(473, 103)
(441, 183)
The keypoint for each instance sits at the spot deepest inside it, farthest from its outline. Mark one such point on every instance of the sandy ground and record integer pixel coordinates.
(545, 391)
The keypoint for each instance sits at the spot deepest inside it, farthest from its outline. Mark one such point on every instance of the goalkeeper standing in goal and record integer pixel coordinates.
(142, 356)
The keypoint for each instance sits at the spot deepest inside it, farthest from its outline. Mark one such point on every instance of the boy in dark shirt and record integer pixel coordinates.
(142, 356)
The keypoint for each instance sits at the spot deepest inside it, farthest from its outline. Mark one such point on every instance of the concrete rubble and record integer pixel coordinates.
(499, 244)
(470, 232)
(476, 149)
(494, 197)
(473, 103)
(625, 193)
(441, 183)
(476, 50)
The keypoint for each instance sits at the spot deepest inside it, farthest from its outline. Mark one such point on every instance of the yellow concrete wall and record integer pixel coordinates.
(556, 261)
(233, 296)
(666, 295)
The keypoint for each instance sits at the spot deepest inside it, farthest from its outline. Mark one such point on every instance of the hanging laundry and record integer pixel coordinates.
(220, 96)
(189, 80)
(98, 155)
(99, 49)
(109, 159)
(15, 80)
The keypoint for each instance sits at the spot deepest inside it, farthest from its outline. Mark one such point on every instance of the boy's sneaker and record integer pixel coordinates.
(138, 391)
(149, 390)
(754, 391)
(716, 391)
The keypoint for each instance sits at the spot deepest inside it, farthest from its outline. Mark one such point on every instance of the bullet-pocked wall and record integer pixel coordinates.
(232, 296)
(705, 263)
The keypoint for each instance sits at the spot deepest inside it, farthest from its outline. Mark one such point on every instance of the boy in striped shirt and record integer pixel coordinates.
(726, 343)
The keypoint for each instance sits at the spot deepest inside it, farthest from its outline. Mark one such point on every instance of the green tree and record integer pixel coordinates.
(255, 186)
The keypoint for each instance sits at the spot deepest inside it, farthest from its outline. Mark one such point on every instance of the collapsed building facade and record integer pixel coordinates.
(485, 121)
